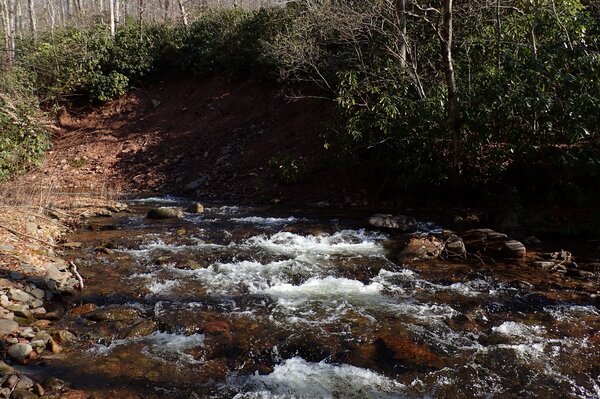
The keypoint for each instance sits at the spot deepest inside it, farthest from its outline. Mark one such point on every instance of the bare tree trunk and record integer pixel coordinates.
(117, 7)
(32, 20)
(183, 13)
(401, 7)
(4, 15)
(452, 105)
(141, 17)
(12, 28)
(51, 14)
(111, 4)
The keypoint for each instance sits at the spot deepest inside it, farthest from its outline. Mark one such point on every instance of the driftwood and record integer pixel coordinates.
(18, 233)
(76, 274)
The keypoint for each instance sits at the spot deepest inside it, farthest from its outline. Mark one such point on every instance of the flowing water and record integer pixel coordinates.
(243, 302)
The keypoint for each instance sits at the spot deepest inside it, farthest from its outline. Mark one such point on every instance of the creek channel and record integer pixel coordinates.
(245, 302)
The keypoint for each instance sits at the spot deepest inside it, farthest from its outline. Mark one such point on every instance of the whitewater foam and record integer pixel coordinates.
(297, 378)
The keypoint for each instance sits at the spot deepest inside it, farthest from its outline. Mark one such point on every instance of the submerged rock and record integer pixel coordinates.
(112, 314)
(165, 213)
(400, 222)
(142, 329)
(403, 352)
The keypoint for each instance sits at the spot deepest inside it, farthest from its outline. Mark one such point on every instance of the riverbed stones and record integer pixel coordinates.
(23, 394)
(492, 243)
(64, 336)
(142, 329)
(42, 336)
(22, 382)
(399, 222)
(165, 213)
(20, 310)
(54, 311)
(83, 309)
(422, 247)
(19, 351)
(117, 313)
(8, 327)
(38, 293)
(454, 247)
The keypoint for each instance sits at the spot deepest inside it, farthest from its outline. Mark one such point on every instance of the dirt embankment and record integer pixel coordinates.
(208, 138)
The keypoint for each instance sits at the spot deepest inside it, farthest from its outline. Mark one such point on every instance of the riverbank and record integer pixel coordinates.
(35, 276)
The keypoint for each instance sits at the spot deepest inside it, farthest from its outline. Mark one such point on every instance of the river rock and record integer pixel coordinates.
(54, 384)
(38, 293)
(117, 313)
(42, 336)
(196, 208)
(22, 382)
(492, 243)
(142, 329)
(54, 311)
(52, 273)
(196, 184)
(8, 327)
(20, 310)
(15, 276)
(401, 223)
(38, 390)
(5, 369)
(27, 332)
(419, 248)
(72, 245)
(454, 247)
(405, 353)
(19, 351)
(83, 309)
(165, 213)
(64, 336)
(23, 394)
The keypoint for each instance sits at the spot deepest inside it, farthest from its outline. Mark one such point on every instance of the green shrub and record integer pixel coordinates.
(23, 140)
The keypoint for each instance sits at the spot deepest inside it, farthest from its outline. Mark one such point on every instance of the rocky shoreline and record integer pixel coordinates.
(34, 277)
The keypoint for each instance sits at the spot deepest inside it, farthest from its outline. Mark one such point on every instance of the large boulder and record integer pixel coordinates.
(399, 222)
(165, 213)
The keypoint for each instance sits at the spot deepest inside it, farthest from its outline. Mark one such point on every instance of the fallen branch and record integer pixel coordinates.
(12, 389)
(18, 233)
(77, 275)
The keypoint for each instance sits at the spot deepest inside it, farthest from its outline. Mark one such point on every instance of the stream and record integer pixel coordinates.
(245, 302)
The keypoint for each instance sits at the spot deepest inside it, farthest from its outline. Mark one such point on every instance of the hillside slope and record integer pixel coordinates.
(234, 139)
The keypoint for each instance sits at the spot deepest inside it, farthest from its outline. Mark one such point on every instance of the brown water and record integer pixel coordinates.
(266, 303)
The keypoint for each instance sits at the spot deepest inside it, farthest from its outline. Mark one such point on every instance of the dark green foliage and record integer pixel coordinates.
(23, 140)
(529, 92)
(529, 108)
(233, 41)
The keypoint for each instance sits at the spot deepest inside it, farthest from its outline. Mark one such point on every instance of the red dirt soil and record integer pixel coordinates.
(161, 138)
